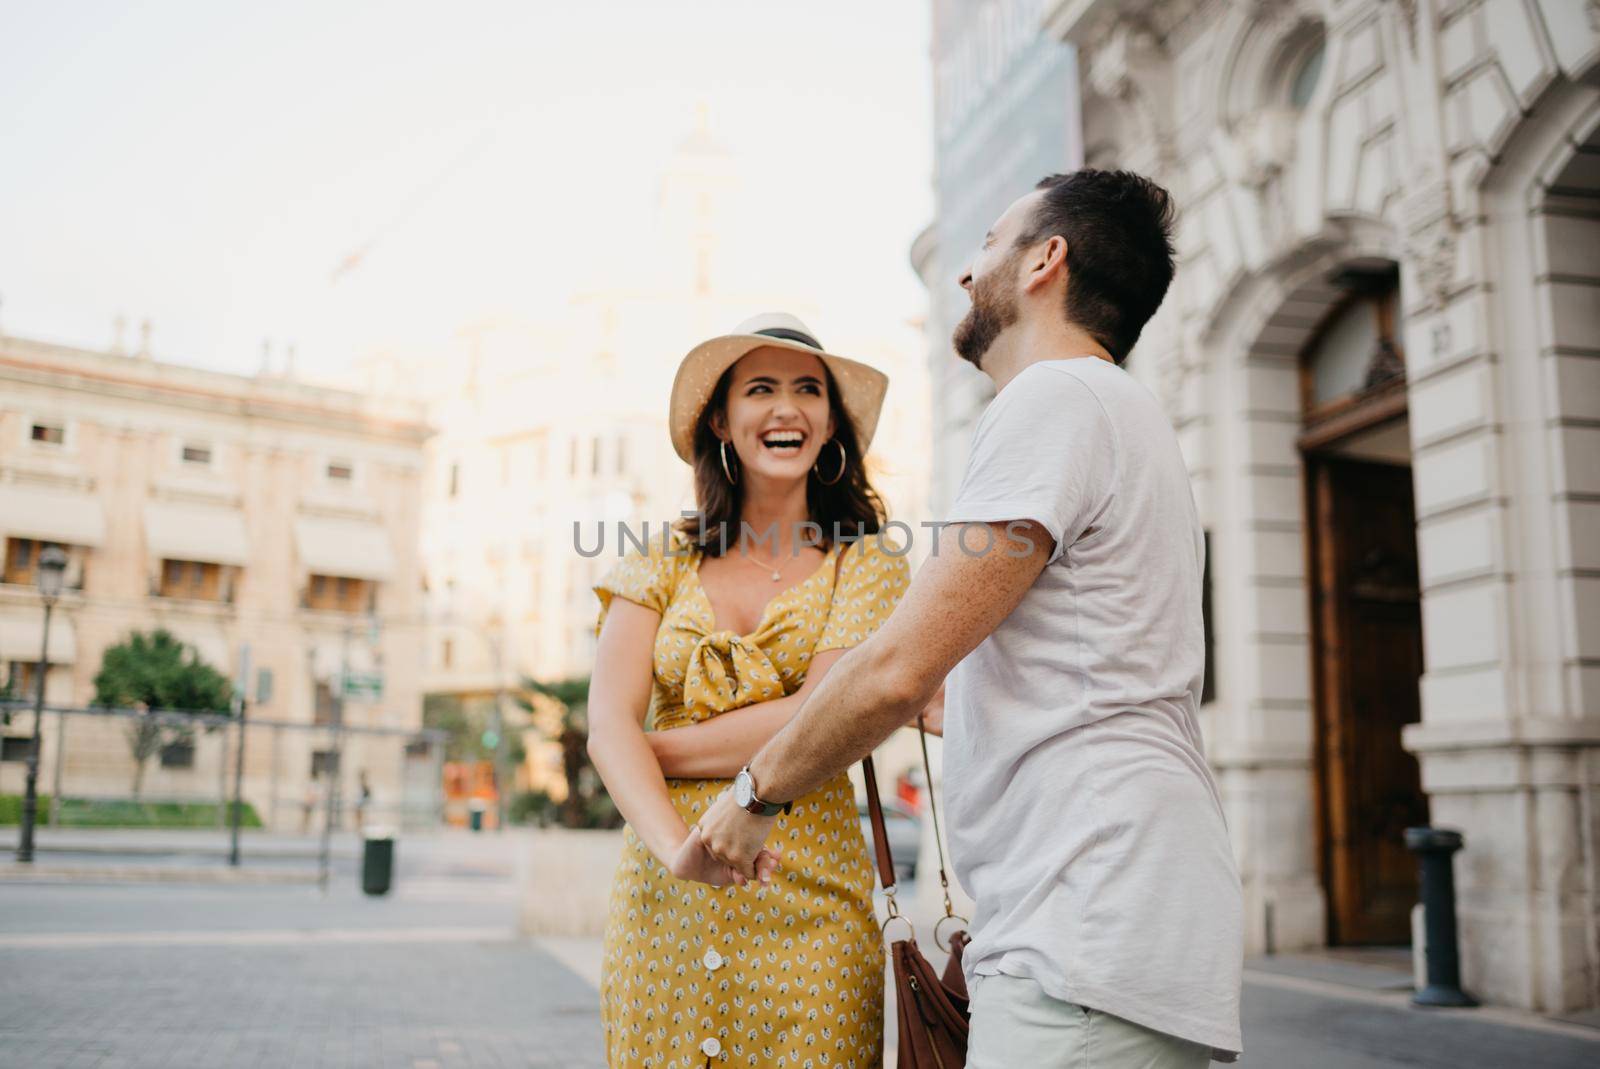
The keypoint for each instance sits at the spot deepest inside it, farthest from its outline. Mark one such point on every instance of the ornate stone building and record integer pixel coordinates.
(1382, 352)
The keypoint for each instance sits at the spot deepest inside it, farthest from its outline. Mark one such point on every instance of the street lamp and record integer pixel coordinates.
(52, 572)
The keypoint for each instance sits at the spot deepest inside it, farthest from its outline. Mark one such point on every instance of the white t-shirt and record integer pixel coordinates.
(1084, 820)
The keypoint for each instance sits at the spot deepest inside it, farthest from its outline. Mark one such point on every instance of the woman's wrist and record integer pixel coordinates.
(661, 745)
(671, 841)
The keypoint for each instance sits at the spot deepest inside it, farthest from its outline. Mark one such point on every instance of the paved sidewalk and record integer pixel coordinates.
(1293, 1020)
(210, 976)
(448, 1003)
(432, 976)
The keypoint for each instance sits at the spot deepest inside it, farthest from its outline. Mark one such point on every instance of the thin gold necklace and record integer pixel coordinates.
(777, 575)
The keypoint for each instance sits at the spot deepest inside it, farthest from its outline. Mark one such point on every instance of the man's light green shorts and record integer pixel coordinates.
(1016, 1025)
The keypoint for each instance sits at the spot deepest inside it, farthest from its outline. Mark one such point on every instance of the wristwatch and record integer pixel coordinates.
(744, 796)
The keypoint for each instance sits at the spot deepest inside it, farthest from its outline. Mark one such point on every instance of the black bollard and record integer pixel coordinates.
(1435, 849)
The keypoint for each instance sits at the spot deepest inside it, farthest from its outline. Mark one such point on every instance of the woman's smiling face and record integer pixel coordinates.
(777, 416)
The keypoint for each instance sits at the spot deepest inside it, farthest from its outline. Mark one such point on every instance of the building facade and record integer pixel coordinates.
(235, 512)
(1382, 355)
(1005, 115)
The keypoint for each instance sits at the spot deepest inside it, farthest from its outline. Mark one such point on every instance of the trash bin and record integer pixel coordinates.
(377, 860)
(475, 810)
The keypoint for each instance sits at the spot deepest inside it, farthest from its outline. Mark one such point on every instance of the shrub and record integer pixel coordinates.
(126, 813)
(531, 807)
(11, 808)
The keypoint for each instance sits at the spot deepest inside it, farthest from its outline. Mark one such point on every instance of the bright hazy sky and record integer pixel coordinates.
(209, 164)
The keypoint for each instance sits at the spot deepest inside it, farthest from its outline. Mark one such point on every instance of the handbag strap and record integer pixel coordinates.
(880, 833)
(933, 811)
(880, 836)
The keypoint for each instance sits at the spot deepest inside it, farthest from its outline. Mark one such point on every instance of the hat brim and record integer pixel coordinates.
(861, 386)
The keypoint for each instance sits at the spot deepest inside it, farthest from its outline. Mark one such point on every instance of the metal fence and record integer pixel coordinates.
(106, 767)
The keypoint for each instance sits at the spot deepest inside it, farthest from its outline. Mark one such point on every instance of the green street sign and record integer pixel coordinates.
(363, 686)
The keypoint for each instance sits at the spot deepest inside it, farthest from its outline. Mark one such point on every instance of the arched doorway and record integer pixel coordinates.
(1365, 602)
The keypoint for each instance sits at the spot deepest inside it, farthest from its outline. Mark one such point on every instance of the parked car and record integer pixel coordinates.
(905, 836)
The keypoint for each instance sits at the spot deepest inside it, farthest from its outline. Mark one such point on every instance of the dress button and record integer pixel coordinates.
(713, 960)
(711, 1047)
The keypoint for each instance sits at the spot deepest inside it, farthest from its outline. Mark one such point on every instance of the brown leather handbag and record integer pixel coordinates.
(932, 1010)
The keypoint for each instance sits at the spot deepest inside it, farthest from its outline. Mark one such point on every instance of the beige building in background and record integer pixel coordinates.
(231, 511)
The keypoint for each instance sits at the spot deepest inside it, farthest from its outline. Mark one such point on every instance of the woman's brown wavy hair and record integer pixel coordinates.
(847, 510)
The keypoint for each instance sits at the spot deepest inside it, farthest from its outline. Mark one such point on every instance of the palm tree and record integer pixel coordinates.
(583, 785)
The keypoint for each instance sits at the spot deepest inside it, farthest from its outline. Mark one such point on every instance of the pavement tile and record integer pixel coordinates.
(218, 977)
(457, 1006)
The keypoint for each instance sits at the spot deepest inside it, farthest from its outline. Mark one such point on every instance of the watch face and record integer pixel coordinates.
(744, 789)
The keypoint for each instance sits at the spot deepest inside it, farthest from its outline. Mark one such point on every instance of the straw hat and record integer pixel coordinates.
(860, 387)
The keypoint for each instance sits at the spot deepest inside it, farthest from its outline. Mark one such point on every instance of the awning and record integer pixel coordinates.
(209, 643)
(352, 549)
(19, 638)
(207, 533)
(51, 515)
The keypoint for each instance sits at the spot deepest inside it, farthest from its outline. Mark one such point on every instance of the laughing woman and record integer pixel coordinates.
(715, 641)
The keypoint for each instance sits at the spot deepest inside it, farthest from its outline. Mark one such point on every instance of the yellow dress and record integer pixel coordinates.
(790, 974)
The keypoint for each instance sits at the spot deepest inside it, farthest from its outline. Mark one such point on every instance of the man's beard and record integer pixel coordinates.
(992, 311)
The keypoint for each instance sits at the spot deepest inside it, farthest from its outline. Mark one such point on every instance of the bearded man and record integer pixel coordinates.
(1084, 820)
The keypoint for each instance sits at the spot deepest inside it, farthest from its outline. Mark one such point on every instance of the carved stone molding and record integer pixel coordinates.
(1433, 252)
(1432, 240)
(1269, 12)
(1167, 17)
(1172, 375)
(1084, 24)
(1125, 63)
(1263, 142)
(1115, 55)
(1408, 19)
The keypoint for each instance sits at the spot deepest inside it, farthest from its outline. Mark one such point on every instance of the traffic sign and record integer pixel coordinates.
(363, 686)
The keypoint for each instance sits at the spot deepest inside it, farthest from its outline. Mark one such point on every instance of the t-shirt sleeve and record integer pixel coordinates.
(1045, 451)
(646, 579)
(871, 582)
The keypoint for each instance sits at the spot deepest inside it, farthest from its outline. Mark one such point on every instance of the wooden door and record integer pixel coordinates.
(1368, 624)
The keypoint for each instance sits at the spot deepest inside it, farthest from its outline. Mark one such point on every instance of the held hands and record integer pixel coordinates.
(726, 846)
(694, 862)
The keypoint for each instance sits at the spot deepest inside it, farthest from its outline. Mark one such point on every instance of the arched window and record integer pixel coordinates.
(1357, 351)
(1291, 68)
(1305, 73)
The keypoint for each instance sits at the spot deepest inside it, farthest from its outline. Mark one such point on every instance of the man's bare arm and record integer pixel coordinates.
(955, 601)
(719, 747)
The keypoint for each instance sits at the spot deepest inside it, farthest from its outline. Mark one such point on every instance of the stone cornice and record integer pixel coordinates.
(1086, 23)
(126, 378)
(1521, 732)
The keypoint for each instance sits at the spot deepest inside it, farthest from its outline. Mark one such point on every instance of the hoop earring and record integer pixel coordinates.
(844, 462)
(722, 451)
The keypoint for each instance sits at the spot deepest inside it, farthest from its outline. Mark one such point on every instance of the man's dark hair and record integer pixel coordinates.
(1118, 227)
